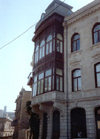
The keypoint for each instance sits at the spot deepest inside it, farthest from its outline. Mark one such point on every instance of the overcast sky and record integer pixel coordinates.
(15, 17)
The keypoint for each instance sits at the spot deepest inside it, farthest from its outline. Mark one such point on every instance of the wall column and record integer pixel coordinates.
(90, 121)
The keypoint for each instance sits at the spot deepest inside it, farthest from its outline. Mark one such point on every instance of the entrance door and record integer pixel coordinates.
(56, 125)
(97, 119)
(34, 123)
(44, 128)
(78, 123)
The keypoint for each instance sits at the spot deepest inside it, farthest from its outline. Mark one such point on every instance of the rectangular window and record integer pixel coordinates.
(59, 46)
(59, 79)
(48, 79)
(40, 83)
(35, 86)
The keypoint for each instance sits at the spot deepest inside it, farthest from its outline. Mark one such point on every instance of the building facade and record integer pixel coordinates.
(21, 121)
(66, 72)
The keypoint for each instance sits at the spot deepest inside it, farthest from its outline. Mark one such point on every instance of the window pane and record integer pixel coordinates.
(50, 47)
(58, 46)
(98, 80)
(47, 49)
(53, 45)
(46, 83)
(41, 76)
(57, 83)
(61, 82)
(49, 83)
(99, 36)
(78, 44)
(61, 48)
(42, 43)
(34, 89)
(97, 28)
(53, 82)
(96, 37)
(74, 46)
(43, 51)
(75, 85)
(59, 71)
(77, 73)
(98, 68)
(41, 86)
(49, 38)
(76, 37)
(40, 53)
(37, 48)
(48, 72)
(79, 84)
(59, 36)
(35, 78)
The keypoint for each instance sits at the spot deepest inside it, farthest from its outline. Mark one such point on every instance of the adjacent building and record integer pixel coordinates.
(6, 129)
(21, 121)
(66, 72)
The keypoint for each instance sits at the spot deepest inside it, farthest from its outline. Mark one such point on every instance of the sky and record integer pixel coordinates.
(16, 16)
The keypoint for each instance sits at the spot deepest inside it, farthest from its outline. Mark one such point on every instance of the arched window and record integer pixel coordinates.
(97, 75)
(42, 49)
(49, 45)
(56, 125)
(75, 42)
(96, 33)
(76, 80)
(59, 43)
(78, 123)
(36, 56)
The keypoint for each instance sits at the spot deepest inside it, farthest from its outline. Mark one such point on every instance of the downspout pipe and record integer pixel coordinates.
(66, 68)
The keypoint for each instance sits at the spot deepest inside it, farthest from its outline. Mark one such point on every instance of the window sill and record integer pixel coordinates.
(75, 52)
(77, 91)
(97, 45)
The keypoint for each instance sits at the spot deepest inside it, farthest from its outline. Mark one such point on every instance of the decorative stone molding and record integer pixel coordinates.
(59, 105)
(45, 108)
(85, 11)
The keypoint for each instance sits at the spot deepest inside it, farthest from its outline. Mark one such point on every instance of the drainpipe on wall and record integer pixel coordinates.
(67, 99)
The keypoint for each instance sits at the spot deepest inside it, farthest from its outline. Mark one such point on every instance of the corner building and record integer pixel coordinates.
(66, 72)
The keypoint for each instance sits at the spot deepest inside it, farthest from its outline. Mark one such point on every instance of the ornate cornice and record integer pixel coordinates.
(83, 12)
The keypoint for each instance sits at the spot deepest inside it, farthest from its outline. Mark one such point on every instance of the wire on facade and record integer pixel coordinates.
(25, 30)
